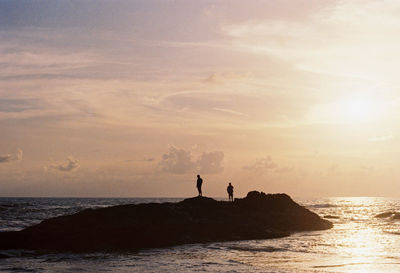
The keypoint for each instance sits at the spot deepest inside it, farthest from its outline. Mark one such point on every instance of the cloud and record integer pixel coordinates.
(145, 159)
(226, 77)
(382, 138)
(179, 161)
(334, 40)
(18, 105)
(229, 111)
(210, 162)
(265, 163)
(268, 165)
(71, 165)
(8, 157)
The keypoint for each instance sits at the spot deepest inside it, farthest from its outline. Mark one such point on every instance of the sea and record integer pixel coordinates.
(358, 242)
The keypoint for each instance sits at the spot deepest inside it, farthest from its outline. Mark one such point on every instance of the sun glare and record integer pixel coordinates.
(358, 109)
(352, 109)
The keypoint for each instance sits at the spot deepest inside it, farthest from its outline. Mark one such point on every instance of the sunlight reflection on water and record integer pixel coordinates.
(358, 242)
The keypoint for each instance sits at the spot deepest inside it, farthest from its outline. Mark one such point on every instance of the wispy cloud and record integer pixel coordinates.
(336, 40)
(268, 165)
(146, 159)
(18, 105)
(265, 163)
(229, 111)
(381, 138)
(11, 157)
(71, 165)
(227, 77)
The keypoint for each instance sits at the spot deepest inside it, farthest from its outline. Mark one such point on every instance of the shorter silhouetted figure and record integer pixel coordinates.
(199, 183)
(229, 189)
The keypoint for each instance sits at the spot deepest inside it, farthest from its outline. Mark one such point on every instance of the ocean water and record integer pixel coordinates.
(359, 242)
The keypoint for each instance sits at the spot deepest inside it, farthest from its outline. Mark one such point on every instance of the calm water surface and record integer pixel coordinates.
(359, 242)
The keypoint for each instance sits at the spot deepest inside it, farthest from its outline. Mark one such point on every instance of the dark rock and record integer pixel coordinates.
(331, 217)
(396, 216)
(392, 215)
(385, 214)
(194, 220)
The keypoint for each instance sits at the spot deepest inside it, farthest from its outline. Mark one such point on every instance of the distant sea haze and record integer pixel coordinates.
(359, 242)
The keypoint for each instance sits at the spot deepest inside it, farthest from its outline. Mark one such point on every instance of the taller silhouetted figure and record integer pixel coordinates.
(229, 189)
(199, 183)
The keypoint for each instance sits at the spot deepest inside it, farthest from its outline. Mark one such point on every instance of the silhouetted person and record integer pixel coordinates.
(199, 183)
(229, 189)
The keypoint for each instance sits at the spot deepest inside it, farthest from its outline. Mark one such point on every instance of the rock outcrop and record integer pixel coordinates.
(392, 215)
(194, 220)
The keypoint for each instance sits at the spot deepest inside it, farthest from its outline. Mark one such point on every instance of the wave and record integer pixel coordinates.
(339, 265)
(351, 264)
(12, 253)
(326, 205)
(15, 205)
(258, 249)
(392, 232)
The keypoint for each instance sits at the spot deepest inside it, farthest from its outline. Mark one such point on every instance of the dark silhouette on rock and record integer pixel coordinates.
(198, 184)
(229, 189)
(193, 220)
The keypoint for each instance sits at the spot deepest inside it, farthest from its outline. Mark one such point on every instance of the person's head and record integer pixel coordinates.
(198, 176)
(229, 183)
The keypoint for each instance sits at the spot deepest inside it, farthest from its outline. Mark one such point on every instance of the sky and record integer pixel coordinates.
(135, 98)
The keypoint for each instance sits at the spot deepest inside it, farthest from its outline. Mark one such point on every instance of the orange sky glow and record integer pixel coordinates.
(134, 98)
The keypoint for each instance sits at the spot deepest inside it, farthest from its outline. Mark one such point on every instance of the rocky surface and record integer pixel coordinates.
(393, 215)
(331, 217)
(194, 220)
